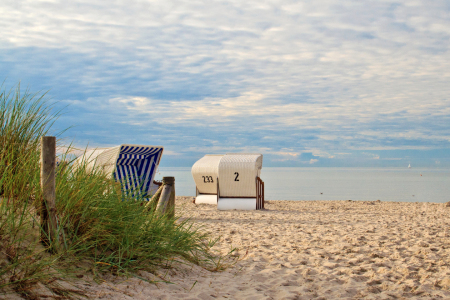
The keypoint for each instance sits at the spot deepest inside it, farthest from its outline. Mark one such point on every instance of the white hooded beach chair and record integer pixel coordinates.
(133, 165)
(231, 181)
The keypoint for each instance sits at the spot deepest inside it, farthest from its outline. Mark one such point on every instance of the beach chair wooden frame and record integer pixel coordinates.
(259, 193)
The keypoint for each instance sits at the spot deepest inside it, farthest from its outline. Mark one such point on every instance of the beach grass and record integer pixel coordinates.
(100, 229)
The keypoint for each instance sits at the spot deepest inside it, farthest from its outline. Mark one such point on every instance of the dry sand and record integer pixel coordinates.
(312, 250)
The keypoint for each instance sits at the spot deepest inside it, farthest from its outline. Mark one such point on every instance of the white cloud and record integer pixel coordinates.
(323, 75)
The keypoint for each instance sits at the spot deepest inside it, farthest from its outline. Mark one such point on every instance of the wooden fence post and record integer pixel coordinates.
(166, 204)
(48, 208)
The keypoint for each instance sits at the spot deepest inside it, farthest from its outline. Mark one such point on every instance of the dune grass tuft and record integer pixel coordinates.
(100, 229)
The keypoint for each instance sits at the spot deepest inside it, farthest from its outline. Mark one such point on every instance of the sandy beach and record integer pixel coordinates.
(310, 250)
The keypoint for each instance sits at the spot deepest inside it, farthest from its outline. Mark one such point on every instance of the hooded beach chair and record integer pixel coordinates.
(134, 166)
(231, 181)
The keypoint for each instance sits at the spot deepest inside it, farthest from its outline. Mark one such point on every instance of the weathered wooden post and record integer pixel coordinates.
(48, 207)
(166, 204)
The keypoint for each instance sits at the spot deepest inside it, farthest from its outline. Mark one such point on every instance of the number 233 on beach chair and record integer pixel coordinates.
(231, 181)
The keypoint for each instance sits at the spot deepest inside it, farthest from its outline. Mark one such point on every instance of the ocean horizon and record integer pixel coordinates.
(337, 183)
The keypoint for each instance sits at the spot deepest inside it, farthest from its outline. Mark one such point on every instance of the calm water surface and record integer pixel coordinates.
(412, 185)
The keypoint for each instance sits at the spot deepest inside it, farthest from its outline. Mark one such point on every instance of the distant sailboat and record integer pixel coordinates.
(409, 166)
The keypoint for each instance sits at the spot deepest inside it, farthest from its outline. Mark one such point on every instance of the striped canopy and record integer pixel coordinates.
(136, 167)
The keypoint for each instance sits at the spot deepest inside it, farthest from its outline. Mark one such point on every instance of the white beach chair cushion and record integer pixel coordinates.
(207, 199)
(236, 203)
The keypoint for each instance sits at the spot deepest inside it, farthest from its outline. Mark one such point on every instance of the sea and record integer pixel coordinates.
(359, 184)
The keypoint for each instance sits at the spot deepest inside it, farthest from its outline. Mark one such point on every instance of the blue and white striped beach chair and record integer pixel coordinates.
(134, 166)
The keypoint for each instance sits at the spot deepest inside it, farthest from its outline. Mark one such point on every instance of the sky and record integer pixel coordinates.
(321, 83)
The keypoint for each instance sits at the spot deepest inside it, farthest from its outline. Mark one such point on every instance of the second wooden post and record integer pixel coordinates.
(166, 204)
